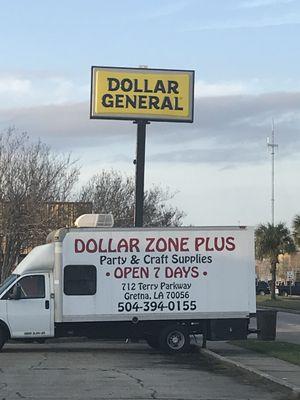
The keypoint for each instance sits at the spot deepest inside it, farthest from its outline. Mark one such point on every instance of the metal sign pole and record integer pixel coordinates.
(140, 172)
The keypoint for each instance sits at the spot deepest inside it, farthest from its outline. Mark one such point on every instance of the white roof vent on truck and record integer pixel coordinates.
(95, 221)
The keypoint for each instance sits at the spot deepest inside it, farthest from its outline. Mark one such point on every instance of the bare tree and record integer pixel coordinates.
(158, 211)
(31, 174)
(110, 191)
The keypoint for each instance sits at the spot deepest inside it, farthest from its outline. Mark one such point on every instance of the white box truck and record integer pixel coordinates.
(157, 284)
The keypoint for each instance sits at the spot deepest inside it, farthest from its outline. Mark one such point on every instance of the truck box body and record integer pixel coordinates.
(139, 278)
(162, 273)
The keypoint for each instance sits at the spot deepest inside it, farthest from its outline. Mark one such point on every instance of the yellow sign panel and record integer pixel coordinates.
(136, 93)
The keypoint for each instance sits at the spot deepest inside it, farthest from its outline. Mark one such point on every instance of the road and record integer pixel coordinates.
(288, 327)
(118, 371)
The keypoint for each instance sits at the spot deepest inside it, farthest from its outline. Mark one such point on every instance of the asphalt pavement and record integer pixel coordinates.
(112, 370)
(98, 370)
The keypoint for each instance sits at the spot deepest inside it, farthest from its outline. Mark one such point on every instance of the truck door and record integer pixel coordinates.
(29, 308)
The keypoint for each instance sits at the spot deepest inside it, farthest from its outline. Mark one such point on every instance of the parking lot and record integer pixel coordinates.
(115, 370)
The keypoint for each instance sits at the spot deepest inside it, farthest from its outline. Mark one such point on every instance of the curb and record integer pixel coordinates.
(287, 310)
(294, 389)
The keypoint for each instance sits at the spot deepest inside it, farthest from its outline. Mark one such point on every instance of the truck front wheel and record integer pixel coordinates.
(174, 339)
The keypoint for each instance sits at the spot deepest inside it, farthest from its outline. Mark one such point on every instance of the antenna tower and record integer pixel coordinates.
(272, 146)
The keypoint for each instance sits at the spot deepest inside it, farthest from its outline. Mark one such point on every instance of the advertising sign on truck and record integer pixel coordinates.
(145, 272)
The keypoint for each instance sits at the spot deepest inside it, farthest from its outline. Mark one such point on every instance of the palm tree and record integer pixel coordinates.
(270, 242)
(296, 227)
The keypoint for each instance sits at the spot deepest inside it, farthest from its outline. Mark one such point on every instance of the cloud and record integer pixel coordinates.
(39, 89)
(164, 10)
(264, 22)
(227, 129)
(263, 3)
(10, 85)
(204, 89)
(228, 155)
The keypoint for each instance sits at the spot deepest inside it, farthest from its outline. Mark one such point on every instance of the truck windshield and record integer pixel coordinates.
(8, 281)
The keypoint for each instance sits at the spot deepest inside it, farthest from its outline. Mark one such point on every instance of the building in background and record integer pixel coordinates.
(287, 263)
(32, 223)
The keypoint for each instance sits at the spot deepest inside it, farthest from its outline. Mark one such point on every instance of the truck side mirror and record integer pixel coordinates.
(16, 293)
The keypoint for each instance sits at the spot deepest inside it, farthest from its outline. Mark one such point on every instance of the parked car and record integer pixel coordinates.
(262, 288)
(289, 290)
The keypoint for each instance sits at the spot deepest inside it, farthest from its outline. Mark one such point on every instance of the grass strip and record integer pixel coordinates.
(284, 351)
(280, 302)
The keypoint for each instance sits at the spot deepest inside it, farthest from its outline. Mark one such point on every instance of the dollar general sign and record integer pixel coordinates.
(139, 93)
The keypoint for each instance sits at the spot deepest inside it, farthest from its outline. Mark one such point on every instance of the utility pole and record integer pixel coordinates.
(271, 145)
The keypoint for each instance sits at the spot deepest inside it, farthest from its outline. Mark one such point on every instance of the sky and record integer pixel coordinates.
(246, 58)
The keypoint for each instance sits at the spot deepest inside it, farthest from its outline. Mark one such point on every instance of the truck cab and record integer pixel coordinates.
(26, 298)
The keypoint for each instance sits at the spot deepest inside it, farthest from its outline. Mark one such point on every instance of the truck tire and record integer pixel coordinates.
(174, 339)
(2, 338)
(153, 341)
